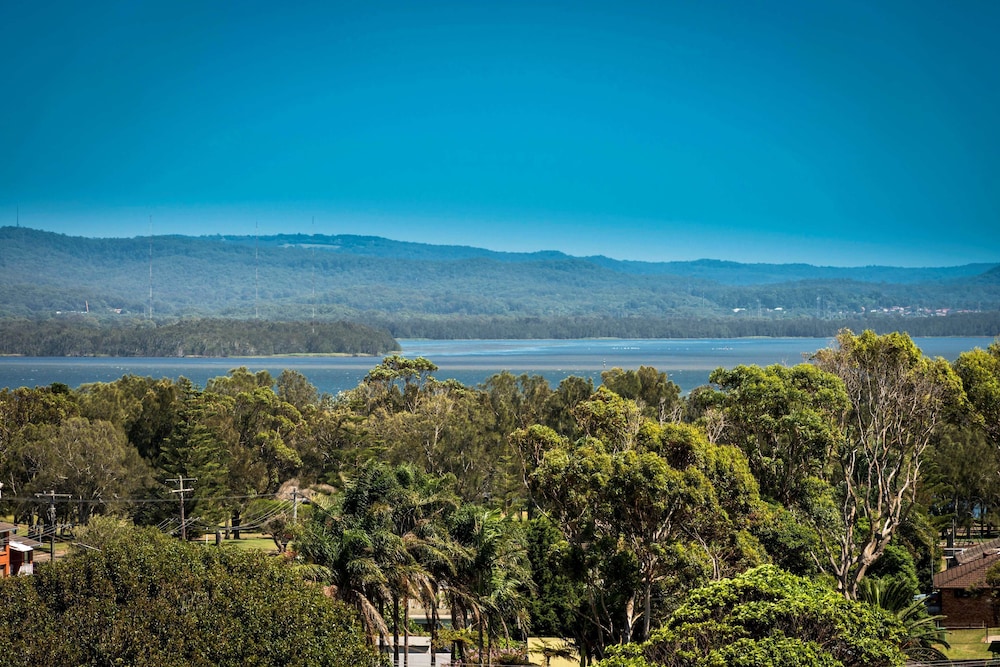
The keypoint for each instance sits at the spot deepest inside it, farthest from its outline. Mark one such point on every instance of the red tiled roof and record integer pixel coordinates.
(966, 575)
(976, 552)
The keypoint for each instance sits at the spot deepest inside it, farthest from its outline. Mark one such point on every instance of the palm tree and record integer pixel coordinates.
(344, 558)
(420, 504)
(923, 634)
(491, 583)
(559, 649)
(381, 545)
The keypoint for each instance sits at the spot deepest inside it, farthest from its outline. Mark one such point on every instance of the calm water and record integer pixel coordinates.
(687, 361)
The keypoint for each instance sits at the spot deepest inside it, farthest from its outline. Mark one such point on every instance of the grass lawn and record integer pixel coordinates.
(536, 643)
(968, 644)
(247, 541)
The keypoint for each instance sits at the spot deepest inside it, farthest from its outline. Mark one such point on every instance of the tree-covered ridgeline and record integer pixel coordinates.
(418, 290)
(81, 336)
(743, 325)
(622, 515)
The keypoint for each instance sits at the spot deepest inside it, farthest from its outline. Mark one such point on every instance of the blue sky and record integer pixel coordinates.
(837, 133)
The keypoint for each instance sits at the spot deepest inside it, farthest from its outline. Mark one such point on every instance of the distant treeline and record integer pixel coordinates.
(79, 335)
(962, 324)
(366, 279)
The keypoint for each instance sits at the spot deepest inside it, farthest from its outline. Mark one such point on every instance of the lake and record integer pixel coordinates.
(687, 362)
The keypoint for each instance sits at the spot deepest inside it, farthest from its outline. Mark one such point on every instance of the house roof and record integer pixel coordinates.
(26, 542)
(7, 527)
(967, 575)
(977, 551)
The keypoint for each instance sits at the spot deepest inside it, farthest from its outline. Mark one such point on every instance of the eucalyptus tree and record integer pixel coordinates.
(450, 431)
(396, 383)
(91, 461)
(898, 400)
(293, 387)
(22, 412)
(558, 407)
(516, 401)
(656, 395)
(146, 409)
(652, 509)
(785, 419)
(980, 373)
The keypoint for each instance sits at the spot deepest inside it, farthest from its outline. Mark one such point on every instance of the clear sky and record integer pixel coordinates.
(835, 132)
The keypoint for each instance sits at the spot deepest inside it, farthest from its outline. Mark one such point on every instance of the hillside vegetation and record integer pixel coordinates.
(414, 289)
(78, 336)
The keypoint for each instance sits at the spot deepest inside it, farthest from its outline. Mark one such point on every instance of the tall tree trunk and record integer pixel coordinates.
(381, 635)
(648, 609)
(406, 632)
(629, 619)
(395, 630)
(434, 629)
(482, 644)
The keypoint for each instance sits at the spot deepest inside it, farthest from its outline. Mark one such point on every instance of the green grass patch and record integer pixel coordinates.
(968, 644)
(246, 542)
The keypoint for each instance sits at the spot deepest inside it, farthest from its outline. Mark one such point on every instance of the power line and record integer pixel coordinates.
(180, 479)
(52, 495)
(106, 501)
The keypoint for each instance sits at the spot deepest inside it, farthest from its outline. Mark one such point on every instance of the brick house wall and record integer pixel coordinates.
(965, 609)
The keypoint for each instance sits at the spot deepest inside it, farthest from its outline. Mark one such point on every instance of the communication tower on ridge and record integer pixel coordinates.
(150, 267)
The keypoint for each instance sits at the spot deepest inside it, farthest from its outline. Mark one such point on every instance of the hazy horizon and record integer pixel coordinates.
(210, 234)
(840, 133)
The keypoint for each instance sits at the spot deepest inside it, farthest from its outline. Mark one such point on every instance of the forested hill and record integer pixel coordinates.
(418, 289)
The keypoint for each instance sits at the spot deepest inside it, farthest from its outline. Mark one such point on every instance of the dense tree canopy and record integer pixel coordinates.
(769, 618)
(145, 599)
(588, 513)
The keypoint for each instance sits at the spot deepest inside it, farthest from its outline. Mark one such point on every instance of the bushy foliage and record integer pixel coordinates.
(77, 336)
(145, 599)
(769, 618)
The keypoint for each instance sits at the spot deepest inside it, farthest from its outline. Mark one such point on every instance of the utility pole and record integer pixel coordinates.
(295, 505)
(52, 495)
(179, 480)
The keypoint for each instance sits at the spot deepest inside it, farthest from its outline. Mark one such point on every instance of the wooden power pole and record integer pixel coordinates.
(179, 480)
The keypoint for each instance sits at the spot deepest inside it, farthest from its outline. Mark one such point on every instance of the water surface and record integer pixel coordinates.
(687, 362)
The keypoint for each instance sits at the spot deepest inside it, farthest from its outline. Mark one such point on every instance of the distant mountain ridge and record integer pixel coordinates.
(722, 271)
(417, 289)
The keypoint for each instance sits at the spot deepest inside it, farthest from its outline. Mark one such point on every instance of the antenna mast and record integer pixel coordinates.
(312, 274)
(256, 270)
(150, 267)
